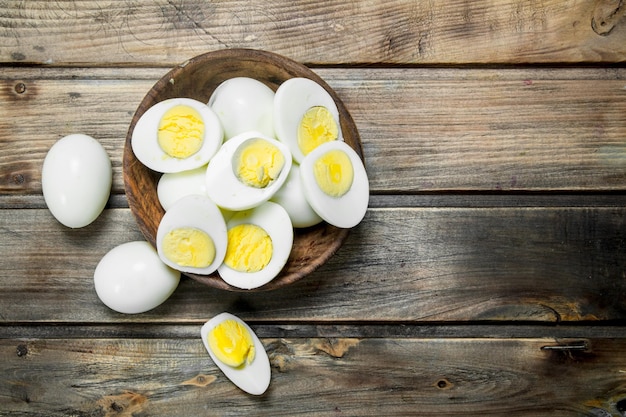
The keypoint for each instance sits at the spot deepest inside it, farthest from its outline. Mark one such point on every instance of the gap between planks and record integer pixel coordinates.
(422, 200)
(493, 330)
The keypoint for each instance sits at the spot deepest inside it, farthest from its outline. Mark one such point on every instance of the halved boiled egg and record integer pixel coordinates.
(243, 104)
(237, 351)
(191, 236)
(335, 184)
(177, 134)
(259, 244)
(247, 171)
(305, 116)
(291, 197)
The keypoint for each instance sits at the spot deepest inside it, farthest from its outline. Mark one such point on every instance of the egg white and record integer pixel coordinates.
(243, 104)
(253, 378)
(348, 210)
(226, 190)
(131, 278)
(291, 101)
(275, 220)
(291, 197)
(198, 212)
(146, 147)
(173, 186)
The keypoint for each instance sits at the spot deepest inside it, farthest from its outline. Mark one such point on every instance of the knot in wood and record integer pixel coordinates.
(21, 350)
(20, 88)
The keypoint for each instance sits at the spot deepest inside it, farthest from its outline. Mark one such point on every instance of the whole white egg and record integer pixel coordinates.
(274, 220)
(244, 104)
(292, 100)
(175, 185)
(191, 236)
(226, 188)
(191, 133)
(253, 378)
(348, 209)
(76, 180)
(131, 278)
(291, 197)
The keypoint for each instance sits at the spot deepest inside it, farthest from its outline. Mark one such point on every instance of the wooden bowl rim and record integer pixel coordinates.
(283, 63)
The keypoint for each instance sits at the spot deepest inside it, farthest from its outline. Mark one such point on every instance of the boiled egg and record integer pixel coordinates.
(191, 236)
(259, 243)
(335, 184)
(291, 197)
(237, 351)
(244, 104)
(305, 116)
(174, 185)
(131, 278)
(76, 180)
(177, 134)
(247, 171)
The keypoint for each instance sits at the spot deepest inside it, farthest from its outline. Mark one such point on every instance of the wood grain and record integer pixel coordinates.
(337, 32)
(423, 130)
(365, 377)
(487, 279)
(425, 265)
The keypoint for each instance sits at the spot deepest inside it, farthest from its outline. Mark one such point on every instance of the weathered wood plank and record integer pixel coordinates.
(366, 377)
(400, 31)
(423, 130)
(404, 264)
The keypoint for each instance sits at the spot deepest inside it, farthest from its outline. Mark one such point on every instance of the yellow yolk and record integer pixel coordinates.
(181, 132)
(249, 248)
(257, 163)
(316, 127)
(187, 246)
(231, 342)
(334, 173)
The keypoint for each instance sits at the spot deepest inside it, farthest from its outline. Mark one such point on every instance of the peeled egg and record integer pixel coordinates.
(291, 197)
(76, 180)
(305, 116)
(247, 171)
(238, 352)
(191, 236)
(244, 104)
(131, 278)
(175, 185)
(177, 134)
(335, 184)
(259, 244)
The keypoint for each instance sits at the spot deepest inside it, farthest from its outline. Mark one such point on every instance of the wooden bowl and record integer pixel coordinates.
(197, 78)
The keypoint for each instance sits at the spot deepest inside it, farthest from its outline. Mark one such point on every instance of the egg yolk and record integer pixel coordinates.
(181, 132)
(316, 127)
(187, 246)
(249, 248)
(334, 173)
(257, 163)
(231, 343)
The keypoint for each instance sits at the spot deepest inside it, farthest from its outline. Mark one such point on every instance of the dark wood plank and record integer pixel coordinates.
(400, 31)
(423, 130)
(368, 377)
(553, 264)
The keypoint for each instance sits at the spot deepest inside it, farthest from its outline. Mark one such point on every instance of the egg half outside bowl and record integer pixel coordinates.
(196, 79)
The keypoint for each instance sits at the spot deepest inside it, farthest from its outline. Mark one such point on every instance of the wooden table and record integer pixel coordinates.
(487, 278)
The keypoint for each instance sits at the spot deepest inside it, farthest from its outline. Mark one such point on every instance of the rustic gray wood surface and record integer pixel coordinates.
(487, 278)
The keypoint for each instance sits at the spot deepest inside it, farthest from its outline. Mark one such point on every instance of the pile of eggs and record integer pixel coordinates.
(239, 174)
(241, 171)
